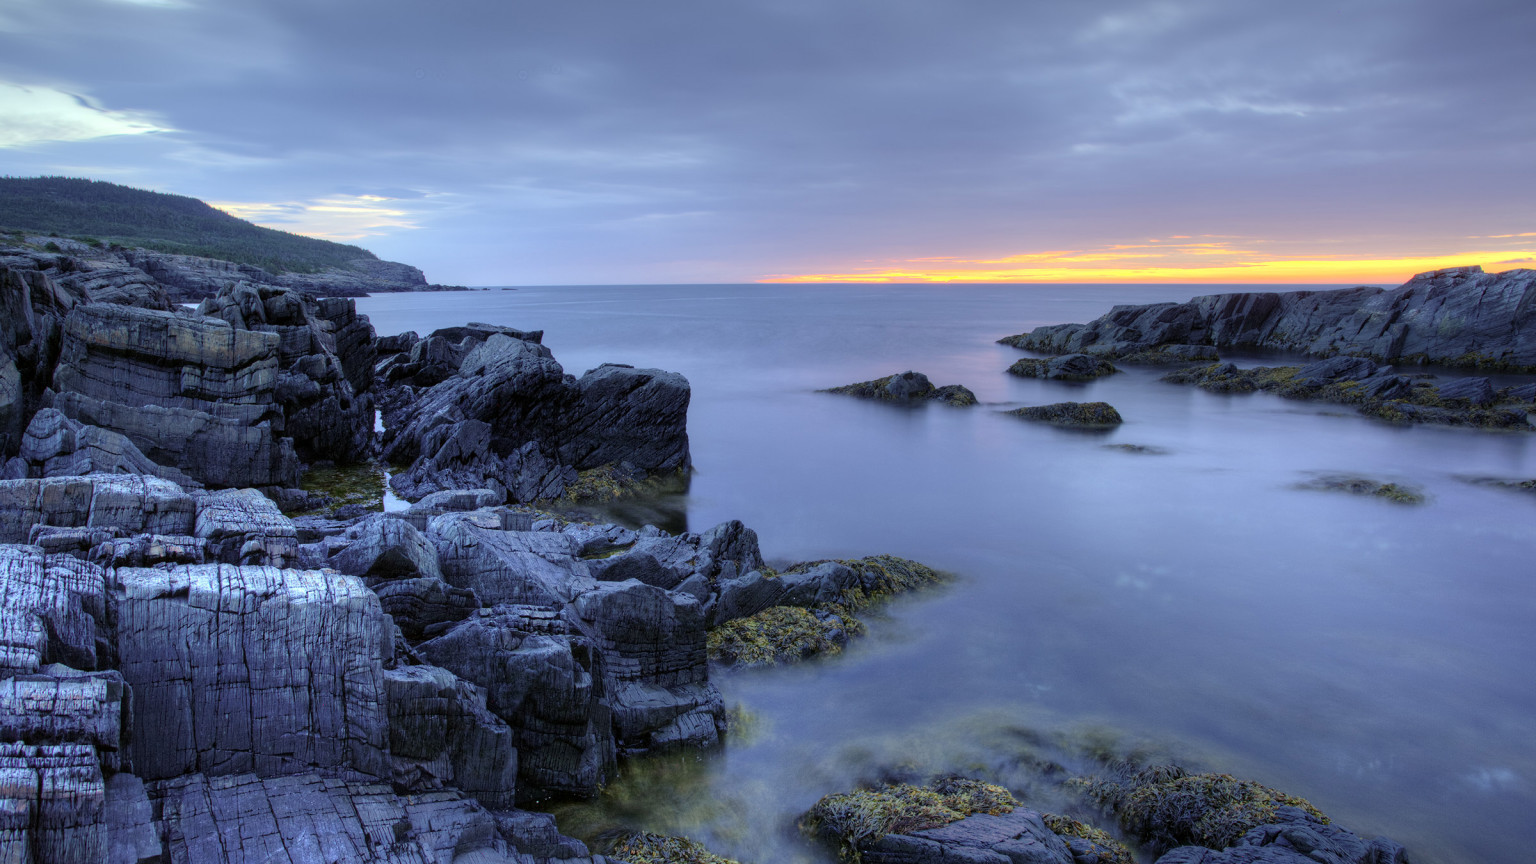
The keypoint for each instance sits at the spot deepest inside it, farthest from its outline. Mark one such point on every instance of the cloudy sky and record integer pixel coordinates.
(633, 141)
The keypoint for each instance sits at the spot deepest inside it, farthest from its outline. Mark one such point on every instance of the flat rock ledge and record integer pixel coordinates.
(1086, 415)
(1377, 391)
(907, 387)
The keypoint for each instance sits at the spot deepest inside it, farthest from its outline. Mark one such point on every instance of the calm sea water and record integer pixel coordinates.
(1374, 658)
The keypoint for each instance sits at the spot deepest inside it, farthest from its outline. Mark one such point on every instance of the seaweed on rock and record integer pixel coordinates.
(857, 819)
(640, 847)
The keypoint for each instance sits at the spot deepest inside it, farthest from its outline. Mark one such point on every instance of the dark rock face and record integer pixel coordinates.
(1019, 836)
(116, 503)
(1087, 414)
(441, 733)
(56, 446)
(1460, 316)
(54, 611)
(509, 419)
(32, 309)
(1068, 367)
(907, 387)
(1295, 837)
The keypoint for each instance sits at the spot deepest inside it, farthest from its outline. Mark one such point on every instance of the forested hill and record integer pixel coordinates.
(96, 211)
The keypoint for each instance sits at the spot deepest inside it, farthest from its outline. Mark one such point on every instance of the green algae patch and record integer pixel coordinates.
(643, 848)
(783, 634)
(333, 486)
(1397, 493)
(1087, 842)
(1166, 807)
(854, 820)
(613, 481)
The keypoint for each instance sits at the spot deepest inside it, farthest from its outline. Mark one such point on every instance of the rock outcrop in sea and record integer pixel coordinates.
(1458, 317)
(907, 387)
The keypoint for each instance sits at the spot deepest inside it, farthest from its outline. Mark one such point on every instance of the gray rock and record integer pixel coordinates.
(425, 607)
(52, 610)
(906, 387)
(60, 705)
(655, 665)
(386, 547)
(745, 596)
(1019, 837)
(455, 500)
(243, 526)
(132, 504)
(546, 686)
(1295, 837)
(131, 836)
(1335, 369)
(243, 819)
(1475, 391)
(241, 669)
(440, 732)
(56, 446)
(531, 567)
(32, 307)
(52, 804)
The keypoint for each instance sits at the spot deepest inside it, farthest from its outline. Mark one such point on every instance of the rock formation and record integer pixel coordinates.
(1460, 317)
(907, 387)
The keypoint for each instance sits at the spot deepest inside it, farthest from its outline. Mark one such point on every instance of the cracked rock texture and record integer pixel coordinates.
(52, 610)
(252, 669)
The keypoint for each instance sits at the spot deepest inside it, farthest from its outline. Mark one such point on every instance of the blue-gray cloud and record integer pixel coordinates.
(594, 140)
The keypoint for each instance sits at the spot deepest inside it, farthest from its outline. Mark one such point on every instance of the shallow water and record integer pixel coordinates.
(1372, 657)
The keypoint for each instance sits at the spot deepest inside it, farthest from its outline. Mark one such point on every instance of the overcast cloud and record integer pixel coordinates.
(581, 141)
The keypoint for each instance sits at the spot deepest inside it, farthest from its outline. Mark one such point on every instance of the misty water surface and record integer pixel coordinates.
(1372, 657)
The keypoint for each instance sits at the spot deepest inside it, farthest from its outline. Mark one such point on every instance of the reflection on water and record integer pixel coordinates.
(1166, 581)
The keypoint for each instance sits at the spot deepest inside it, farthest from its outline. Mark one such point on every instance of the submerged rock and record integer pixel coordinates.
(1085, 414)
(1354, 484)
(907, 387)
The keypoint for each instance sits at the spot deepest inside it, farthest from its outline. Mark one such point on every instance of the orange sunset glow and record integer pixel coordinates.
(1179, 261)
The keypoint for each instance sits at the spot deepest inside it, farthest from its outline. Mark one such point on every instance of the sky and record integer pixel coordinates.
(533, 142)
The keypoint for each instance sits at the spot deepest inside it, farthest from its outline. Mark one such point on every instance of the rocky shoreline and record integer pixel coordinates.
(191, 672)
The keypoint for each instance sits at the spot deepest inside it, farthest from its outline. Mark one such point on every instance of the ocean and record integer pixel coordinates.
(1179, 598)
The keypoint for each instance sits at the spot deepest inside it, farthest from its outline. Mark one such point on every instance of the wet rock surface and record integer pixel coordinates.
(1088, 415)
(907, 387)
(1067, 367)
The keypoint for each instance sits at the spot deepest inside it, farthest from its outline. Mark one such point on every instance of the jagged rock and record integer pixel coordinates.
(325, 360)
(546, 686)
(52, 610)
(665, 560)
(1088, 414)
(131, 503)
(597, 540)
(655, 665)
(148, 550)
(32, 307)
(906, 387)
(56, 446)
(508, 418)
(827, 582)
(1067, 367)
(425, 607)
(243, 526)
(123, 285)
(52, 804)
(241, 669)
(60, 705)
(1459, 316)
(399, 343)
(535, 834)
(532, 567)
(1475, 391)
(387, 547)
(439, 728)
(1335, 369)
(244, 819)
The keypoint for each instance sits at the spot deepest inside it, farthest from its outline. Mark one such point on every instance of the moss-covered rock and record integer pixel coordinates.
(1068, 367)
(1089, 845)
(857, 820)
(331, 487)
(783, 634)
(643, 848)
(1164, 806)
(1084, 414)
(1399, 493)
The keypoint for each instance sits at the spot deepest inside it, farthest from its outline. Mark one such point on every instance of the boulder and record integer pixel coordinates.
(425, 607)
(252, 669)
(1474, 391)
(387, 547)
(528, 567)
(907, 387)
(243, 526)
(1083, 414)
